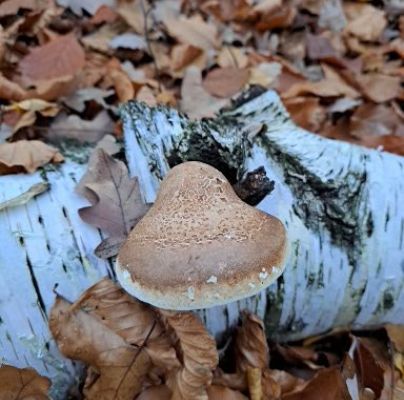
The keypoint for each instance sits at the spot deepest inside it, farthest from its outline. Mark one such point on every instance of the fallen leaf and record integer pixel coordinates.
(254, 376)
(161, 392)
(343, 104)
(327, 384)
(61, 57)
(306, 112)
(26, 155)
(364, 21)
(391, 143)
(104, 14)
(199, 355)
(331, 86)
(146, 95)
(379, 87)
(279, 18)
(230, 56)
(11, 7)
(320, 48)
(101, 38)
(185, 55)
(195, 101)
(72, 126)
(331, 15)
(194, 31)
(264, 74)
(120, 367)
(225, 82)
(122, 84)
(286, 381)
(109, 247)
(46, 108)
(10, 90)
(374, 120)
(120, 205)
(136, 15)
(25, 197)
(216, 392)
(251, 346)
(396, 335)
(22, 384)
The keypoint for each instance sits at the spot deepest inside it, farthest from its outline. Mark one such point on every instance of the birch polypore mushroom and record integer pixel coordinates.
(199, 245)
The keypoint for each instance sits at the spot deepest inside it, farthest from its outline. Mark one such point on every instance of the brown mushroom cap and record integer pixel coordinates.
(199, 245)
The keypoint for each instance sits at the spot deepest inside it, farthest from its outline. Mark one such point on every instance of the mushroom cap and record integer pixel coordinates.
(199, 245)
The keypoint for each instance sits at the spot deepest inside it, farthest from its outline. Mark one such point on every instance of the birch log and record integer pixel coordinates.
(43, 243)
(343, 206)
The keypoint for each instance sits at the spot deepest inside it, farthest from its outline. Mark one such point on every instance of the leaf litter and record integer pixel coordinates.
(66, 66)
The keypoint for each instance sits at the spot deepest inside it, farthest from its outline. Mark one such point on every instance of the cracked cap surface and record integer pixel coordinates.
(199, 245)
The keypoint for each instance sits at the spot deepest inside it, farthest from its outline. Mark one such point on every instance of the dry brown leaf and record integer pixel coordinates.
(61, 57)
(365, 21)
(199, 356)
(119, 201)
(230, 56)
(327, 384)
(216, 392)
(26, 196)
(379, 87)
(53, 89)
(254, 376)
(119, 367)
(306, 112)
(195, 101)
(121, 81)
(320, 48)
(11, 7)
(22, 384)
(73, 127)
(225, 82)
(396, 335)
(134, 15)
(331, 86)
(193, 31)
(104, 14)
(374, 120)
(146, 95)
(26, 155)
(286, 381)
(161, 392)
(280, 18)
(185, 55)
(10, 90)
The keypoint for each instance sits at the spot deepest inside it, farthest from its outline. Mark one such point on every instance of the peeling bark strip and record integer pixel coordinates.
(342, 205)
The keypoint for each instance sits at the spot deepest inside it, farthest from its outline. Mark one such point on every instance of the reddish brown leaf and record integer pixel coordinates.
(26, 155)
(306, 112)
(11, 7)
(222, 393)
(327, 384)
(10, 90)
(63, 56)
(22, 384)
(225, 82)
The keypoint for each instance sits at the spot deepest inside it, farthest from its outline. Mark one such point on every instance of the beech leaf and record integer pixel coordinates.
(199, 356)
(63, 56)
(225, 82)
(119, 368)
(26, 155)
(119, 203)
(22, 384)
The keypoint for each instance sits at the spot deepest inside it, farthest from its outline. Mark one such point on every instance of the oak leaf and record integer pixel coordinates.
(225, 82)
(63, 56)
(119, 205)
(26, 155)
(199, 356)
(22, 384)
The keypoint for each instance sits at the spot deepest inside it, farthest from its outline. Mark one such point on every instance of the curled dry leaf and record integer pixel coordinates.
(196, 102)
(251, 346)
(26, 155)
(22, 384)
(199, 356)
(63, 56)
(119, 203)
(121, 81)
(225, 82)
(120, 367)
(231, 56)
(185, 55)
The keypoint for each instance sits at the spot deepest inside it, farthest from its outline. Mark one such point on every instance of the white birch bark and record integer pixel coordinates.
(343, 206)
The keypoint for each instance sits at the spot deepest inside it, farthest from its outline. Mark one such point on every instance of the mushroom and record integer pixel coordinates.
(199, 245)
